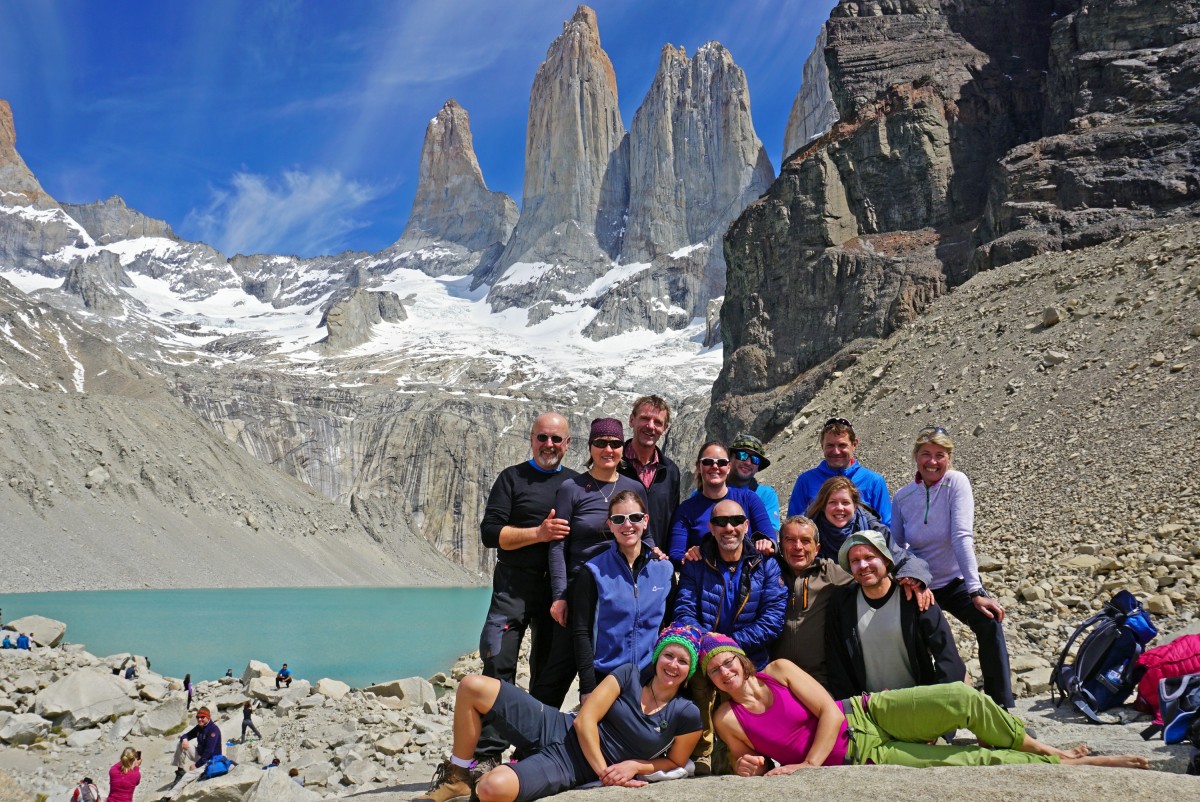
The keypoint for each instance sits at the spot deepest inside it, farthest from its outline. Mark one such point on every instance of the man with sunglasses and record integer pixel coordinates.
(646, 462)
(520, 522)
(748, 457)
(732, 589)
(195, 748)
(838, 443)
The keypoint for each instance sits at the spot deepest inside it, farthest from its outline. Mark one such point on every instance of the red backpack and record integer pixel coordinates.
(1175, 659)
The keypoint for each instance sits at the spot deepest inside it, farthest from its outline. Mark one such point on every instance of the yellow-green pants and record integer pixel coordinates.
(896, 726)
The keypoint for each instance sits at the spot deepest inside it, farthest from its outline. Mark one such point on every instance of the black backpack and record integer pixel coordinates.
(1194, 736)
(1104, 669)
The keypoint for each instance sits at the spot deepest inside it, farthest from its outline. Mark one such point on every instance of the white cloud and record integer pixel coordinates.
(311, 212)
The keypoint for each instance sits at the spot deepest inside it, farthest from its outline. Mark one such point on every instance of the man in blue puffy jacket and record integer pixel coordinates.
(732, 589)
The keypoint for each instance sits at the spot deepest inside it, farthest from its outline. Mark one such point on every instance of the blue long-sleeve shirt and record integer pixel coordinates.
(690, 523)
(872, 488)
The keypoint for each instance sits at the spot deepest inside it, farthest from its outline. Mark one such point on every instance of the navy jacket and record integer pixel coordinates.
(208, 741)
(662, 494)
(760, 604)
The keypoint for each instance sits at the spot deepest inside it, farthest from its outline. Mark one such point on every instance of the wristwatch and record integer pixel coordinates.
(981, 592)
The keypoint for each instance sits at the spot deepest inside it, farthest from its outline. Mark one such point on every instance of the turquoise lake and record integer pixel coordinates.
(358, 635)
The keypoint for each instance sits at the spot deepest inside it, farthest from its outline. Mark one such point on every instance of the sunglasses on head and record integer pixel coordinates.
(553, 438)
(746, 456)
(838, 422)
(727, 520)
(934, 430)
(613, 444)
(708, 462)
(617, 519)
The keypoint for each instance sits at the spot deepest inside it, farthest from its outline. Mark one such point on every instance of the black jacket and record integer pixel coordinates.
(663, 496)
(931, 651)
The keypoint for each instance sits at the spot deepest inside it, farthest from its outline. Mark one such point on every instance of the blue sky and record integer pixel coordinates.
(282, 126)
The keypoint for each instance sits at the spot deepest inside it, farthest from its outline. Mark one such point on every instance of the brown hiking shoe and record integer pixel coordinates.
(450, 783)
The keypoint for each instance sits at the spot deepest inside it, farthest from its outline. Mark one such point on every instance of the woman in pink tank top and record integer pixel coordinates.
(781, 720)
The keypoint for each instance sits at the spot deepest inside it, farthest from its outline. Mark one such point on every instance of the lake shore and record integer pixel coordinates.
(384, 742)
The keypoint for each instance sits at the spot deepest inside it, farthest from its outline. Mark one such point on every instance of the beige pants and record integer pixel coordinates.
(185, 758)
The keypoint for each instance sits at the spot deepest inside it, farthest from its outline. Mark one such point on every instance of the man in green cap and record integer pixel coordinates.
(748, 457)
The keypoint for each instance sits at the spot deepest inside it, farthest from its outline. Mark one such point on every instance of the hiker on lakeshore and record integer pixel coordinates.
(520, 522)
(934, 517)
(878, 640)
(749, 458)
(86, 791)
(812, 580)
(780, 719)
(248, 721)
(633, 724)
(195, 748)
(23, 642)
(229, 673)
(734, 589)
(583, 500)
(187, 686)
(838, 443)
(620, 597)
(646, 462)
(690, 525)
(124, 776)
(8, 644)
(284, 677)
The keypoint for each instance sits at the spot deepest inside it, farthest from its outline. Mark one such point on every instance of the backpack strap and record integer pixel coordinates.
(1057, 693)
(1151, 731)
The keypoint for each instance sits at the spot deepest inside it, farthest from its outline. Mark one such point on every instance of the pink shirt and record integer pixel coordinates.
(121, 785)
(784, 731)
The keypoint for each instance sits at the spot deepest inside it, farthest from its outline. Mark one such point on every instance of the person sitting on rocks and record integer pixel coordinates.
(23, 642)
(780, 720)
(876, 639)
(195, 748)
(624, 723)
(284, 677)
(8, 644)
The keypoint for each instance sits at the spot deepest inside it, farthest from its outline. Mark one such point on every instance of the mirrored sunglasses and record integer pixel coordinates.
(617, 519)
(746, 456)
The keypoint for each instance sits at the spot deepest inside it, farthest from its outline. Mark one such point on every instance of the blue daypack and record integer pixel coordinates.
(1105, 668)
(216, 766)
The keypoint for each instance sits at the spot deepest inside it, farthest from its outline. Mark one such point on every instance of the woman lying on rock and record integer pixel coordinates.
(628, 726)
(781, 720)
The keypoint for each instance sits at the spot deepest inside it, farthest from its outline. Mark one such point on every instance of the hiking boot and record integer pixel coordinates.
(482, 767)
(450, 783)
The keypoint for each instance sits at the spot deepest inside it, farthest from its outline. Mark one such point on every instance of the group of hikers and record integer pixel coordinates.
(818, 639)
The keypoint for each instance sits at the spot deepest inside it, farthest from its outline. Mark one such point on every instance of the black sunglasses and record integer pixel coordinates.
(613, 444)
(553, 438)
(838, 422)
(727, 520)
(746, 456)
(616, 519)
(708, 462)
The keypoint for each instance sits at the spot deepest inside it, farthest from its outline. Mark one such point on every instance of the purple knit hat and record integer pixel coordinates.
(606, 427)
(714, 643)
(683, 635)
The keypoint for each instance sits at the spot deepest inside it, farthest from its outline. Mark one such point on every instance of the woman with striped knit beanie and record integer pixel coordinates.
(781, 719)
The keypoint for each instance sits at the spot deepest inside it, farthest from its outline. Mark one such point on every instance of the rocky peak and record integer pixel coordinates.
(113, 221)
(694, 159)
(453, 207)
(813, 112)
(18, 186)
(576, 180)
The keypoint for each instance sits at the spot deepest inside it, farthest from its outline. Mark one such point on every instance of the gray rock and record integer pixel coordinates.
(349, 319)
(1052, 316)
(332, 688)
(276, 786)
(83, 738)
(24, 728)
(162, 718)
(41, 630)
(813, 112)
(393, 744)
(412, 691)
(85, 697)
